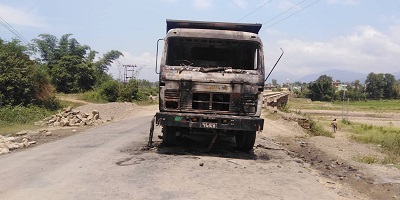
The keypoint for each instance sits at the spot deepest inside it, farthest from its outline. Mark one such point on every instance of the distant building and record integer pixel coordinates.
(339, 86)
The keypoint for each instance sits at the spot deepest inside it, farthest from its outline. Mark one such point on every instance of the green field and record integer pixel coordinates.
(371, 105)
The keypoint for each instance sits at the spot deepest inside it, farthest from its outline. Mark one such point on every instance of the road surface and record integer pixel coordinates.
(107, 162)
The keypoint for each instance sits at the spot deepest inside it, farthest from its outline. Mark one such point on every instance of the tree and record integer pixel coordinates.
(22, 82)
(274, 82)
(321, 89)
(381, 86)
(71, 65)
(355, 91)
(389, 90)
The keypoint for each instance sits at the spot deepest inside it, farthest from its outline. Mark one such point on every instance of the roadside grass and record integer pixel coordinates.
(369, 105)
(367, 159)
(373, 159)
(92, 96)
(17, 118)
(317, 128)
(386, 136)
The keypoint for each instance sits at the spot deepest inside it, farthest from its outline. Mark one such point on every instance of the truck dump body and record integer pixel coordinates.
(211, 78)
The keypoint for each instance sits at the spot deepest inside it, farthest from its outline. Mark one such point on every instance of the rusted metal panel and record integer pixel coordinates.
(253, 28)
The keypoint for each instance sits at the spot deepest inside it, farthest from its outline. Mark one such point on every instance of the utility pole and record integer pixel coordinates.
(127, 69)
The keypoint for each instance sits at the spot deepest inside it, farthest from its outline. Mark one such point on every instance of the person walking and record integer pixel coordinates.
(334, 125)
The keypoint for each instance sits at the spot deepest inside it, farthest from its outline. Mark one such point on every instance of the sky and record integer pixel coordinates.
(316, 35)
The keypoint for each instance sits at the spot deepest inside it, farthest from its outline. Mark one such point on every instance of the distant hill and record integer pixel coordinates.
(397, 75)
(336, 74)
(281, 77)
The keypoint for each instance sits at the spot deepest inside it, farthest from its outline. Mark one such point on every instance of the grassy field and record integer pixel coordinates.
(372, 105)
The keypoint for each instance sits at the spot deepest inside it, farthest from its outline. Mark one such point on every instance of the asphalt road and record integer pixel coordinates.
(107, 162)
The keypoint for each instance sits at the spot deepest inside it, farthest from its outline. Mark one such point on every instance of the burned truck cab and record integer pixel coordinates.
(211, 81)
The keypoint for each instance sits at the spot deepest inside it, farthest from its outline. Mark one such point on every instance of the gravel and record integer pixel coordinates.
(113, 111)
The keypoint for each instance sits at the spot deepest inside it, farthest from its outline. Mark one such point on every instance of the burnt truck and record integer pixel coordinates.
(211, 77)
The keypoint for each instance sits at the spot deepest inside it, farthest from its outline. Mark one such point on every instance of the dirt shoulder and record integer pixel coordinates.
(333, 160)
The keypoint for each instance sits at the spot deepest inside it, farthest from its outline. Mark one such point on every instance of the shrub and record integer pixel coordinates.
(109, 90)
(129, 91)
(317, 129)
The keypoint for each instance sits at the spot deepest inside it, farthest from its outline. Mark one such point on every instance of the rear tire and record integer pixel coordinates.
(245, 140)
(169, 136)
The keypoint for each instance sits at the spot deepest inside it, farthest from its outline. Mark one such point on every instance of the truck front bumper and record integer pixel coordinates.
(210, 121)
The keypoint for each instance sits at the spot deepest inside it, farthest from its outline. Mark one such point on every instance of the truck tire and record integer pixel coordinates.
(245, 140)
(169, 136)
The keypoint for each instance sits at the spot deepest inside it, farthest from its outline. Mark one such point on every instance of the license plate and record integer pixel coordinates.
(209, 125)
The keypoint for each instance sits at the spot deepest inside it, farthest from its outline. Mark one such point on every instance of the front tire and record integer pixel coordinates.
(245, 140)
(169, 136)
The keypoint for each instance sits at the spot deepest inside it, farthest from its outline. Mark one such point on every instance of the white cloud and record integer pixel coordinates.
(241, 3)
(202, 4)
(344, 2)
(365, 50)
(21, 17)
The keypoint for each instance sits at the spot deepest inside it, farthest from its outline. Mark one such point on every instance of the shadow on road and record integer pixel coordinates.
(224, 146)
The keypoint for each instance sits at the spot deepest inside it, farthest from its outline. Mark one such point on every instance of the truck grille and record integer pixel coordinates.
(213, 101)
(172, 98)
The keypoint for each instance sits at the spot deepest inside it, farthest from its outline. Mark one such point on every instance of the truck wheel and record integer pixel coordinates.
(245, 140)
(169, 136)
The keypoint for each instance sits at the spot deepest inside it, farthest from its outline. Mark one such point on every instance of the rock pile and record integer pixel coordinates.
(21, 140)
(71, 117)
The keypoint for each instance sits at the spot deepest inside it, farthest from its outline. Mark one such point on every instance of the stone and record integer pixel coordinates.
(51, 121)
(28, 137)
(12, 146)
(96, 116)
(68, 109)
(22, 133)
(57, 124)
(24, 140)
(20, 145)
(48, 133)
(32, 142)
(4, 151)
(94, 112)
(82, 123)
(90, 117)
(26, 144)
(11, 139)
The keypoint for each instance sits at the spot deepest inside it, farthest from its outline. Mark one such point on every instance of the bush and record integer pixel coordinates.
(129, 91)
(109, 90)
(317, 129)
(93, 96)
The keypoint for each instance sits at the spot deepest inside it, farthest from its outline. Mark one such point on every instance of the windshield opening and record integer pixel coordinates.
(201, 52)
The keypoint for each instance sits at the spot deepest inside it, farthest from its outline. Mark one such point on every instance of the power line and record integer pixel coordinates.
(285, 12)
(12, 30)
(255, 10)
(291, 15)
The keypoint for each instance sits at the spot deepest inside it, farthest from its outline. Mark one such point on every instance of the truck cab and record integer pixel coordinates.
(211, 81)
